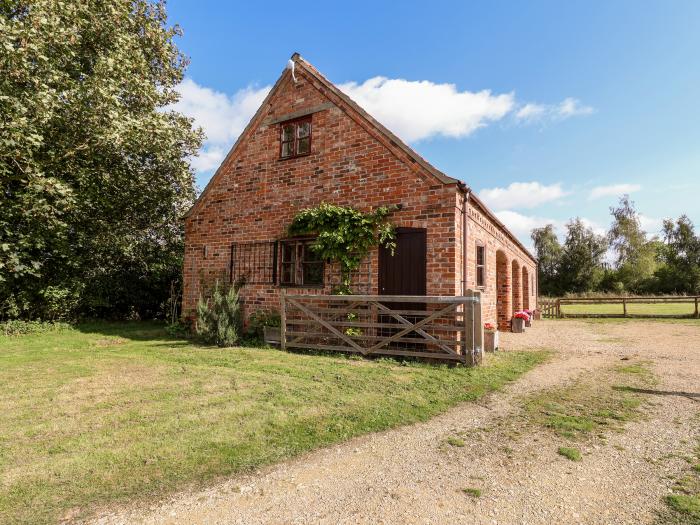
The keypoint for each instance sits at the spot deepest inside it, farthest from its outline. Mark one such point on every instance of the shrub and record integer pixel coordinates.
(219, 318)
(260, 319)
(17, 327)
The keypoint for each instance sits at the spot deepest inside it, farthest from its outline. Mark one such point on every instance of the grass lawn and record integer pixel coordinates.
(632, 308)
(106, 412)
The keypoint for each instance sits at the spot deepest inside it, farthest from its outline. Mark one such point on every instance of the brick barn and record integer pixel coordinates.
(309, 143)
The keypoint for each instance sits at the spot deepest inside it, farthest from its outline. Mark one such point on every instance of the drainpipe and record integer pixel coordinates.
(465, 202)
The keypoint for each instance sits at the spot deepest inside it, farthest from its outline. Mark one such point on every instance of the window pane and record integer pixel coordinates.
(480, 255)
(287, 149)
(480, 276)
(287, 276)
(287, 132)
(303, 146)
(303, 129)
(287, 252)
(313, 273)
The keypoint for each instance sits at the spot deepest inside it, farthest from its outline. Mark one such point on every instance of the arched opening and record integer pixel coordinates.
(503, 309)
(517, 288)
(526, 289)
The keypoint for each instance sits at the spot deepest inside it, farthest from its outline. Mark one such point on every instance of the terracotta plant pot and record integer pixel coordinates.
(537, 315)
(272, 335)
(517, 325)
(490, 340)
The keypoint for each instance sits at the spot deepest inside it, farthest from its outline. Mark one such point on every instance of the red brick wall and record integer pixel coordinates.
(482, 230)
(255, 194)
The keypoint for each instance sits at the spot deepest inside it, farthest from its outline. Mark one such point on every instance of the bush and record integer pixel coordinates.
(219, 318)
(17, 327)
(260, 319)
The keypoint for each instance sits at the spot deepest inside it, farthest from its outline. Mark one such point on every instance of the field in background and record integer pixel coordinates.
(633, 309)
(607, 306)
(107, 412)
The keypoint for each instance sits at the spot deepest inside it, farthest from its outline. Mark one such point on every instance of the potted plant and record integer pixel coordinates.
(528, 321)
(490, 337)
(517, 324)
(267, 325)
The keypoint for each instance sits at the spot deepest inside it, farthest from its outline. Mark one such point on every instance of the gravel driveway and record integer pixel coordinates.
(409, 475)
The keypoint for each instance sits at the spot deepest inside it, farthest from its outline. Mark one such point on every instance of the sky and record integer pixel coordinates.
(547, 109)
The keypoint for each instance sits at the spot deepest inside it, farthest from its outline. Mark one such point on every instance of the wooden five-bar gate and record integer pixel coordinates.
(432, 327)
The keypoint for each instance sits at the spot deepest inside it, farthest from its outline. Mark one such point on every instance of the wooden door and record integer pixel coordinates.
(403, 273)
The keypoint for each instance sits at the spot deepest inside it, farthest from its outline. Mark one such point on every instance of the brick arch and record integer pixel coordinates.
(526, 289)
(503, 293)
(517, 289)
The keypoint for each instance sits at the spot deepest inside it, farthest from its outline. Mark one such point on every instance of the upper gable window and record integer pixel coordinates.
(295, 138)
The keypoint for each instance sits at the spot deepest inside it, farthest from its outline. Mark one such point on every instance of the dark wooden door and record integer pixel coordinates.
(403, 273)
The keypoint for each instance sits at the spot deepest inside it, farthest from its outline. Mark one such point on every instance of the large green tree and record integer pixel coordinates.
(93, 166)
(580, 269)
(636, 255)
(549, 253)
(680, 255)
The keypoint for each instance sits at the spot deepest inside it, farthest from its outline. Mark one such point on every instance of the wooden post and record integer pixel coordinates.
(624, 307)
(283, 320)
(558, 308)
(468, 336)
(697, 314)
(478, 327)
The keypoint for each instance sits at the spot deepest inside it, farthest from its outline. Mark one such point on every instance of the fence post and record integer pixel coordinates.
(624, 307)
(283, 320)
(478, 328)
(468, 315)
(558, 308)
(697, 314)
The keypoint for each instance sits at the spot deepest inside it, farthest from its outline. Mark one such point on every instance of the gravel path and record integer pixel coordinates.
(409, 475)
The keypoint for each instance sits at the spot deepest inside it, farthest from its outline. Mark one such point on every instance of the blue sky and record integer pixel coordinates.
(564, 105)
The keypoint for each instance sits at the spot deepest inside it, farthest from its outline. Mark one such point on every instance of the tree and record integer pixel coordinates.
(636, 256)
(681, 257)
(549, 252)
(94, 169)
(580, 269)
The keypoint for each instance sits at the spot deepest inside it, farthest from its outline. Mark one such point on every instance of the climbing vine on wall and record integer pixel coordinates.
(345, 235)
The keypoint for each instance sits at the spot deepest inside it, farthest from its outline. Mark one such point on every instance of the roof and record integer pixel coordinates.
(391, 137)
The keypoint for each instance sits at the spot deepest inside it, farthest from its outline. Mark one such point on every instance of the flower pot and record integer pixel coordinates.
(491, 340)
(517, 325)
(528, 323)
(537, 315)
(272, 335)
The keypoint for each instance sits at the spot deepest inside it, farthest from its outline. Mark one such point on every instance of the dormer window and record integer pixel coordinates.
(295, 138)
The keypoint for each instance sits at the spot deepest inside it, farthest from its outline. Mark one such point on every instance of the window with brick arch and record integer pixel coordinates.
(295, 138)
(480, 265)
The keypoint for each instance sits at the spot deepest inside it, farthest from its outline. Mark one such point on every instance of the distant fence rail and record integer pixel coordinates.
(628, 307)
(433, 327)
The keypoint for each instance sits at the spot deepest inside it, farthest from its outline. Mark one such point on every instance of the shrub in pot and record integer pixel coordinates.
(518, 322)
(490, 337)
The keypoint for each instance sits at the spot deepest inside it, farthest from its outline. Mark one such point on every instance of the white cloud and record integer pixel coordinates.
(522, 225)
(569, 107)
(222, 117)
(651, 225)
(521, 195)
(531, 111)
(414, 110)
(420, 109)
(613, 190)
(597, 228)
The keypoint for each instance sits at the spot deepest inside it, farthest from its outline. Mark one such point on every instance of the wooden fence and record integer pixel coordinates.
(552, 308)
(433, 327)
